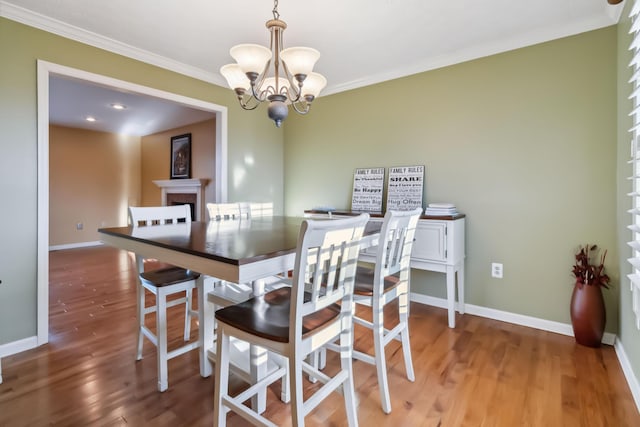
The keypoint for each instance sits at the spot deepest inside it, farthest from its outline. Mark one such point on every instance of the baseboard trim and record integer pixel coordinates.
(75, 245)
(634, 385)
(505, 316)
(18, 346)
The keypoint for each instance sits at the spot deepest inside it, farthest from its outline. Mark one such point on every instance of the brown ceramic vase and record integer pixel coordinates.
(588, 315)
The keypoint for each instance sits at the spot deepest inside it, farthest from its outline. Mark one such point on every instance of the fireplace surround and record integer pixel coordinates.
(184, 191)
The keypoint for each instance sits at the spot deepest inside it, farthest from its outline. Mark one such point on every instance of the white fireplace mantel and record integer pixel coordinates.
(186, 186)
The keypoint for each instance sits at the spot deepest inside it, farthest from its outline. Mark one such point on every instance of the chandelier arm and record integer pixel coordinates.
(256, 85)
(303, 111)
(294, 84)
(266, 92)
(245, 102)
(293, 99)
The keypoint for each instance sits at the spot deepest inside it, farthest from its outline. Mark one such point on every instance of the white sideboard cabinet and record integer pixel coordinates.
(439, 246)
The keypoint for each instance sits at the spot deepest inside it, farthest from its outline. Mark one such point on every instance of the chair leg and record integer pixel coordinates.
(161, 334)
(187, 314)
(285, 393)
(295, 383)
(141, 309)
(406, 345)
(381, 361)
(221, 379)
(348, 389)
(140, 313)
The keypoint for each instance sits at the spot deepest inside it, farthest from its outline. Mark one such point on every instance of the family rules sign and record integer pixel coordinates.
(368, 184)
(405, 188)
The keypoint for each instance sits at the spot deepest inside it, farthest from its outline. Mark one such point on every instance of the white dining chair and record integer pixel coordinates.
(388, 281)
(233, 216)
(260, 209)
(226, 211)
(295, 321)
(228, 215)
(162, 283)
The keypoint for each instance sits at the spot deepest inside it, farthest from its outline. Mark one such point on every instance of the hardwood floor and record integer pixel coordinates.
(483, 373)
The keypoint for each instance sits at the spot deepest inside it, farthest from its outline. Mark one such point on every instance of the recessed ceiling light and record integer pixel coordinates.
(90, 119)
(118, 106)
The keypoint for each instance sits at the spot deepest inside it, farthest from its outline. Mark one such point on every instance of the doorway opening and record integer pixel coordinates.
(47, 70)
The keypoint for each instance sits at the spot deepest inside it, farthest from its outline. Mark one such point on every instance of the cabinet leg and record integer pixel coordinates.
(451, 296)
(461, 289)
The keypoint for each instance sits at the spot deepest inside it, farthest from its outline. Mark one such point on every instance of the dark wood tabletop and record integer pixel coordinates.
(234, 242)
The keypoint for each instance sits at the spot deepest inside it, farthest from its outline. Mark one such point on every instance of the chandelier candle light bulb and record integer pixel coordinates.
(281, 76)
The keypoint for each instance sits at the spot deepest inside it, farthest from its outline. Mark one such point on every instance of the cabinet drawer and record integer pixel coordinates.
(430, 241)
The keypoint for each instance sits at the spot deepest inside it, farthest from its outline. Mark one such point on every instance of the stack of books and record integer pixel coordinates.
(440, 209)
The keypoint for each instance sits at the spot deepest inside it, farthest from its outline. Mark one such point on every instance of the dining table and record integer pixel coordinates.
(239, 251)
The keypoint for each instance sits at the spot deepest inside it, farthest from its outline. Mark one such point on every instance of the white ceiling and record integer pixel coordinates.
(71, 101)
(362, 42)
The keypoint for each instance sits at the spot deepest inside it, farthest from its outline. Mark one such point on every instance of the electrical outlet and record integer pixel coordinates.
(79, 226)
(496, 270)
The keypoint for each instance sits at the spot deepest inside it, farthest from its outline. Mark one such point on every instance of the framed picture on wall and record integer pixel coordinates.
(181, 156)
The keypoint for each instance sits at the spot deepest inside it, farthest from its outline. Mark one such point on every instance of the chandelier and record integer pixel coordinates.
(281, 76)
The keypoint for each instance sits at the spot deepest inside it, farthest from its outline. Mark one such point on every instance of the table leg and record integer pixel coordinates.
(258, 360)
(206, 313)
(258, 367)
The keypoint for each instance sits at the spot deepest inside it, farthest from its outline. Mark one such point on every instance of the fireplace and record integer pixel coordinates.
(184, 192)
(190, 199)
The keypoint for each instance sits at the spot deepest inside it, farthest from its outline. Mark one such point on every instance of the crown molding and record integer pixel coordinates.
(45, 23)
(610, 17)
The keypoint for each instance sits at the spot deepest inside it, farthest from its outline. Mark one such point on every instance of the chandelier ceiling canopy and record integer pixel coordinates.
(281, 76)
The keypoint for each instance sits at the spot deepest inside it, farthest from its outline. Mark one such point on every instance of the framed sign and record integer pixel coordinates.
(181, 156)
(405, 188)
(367, 190)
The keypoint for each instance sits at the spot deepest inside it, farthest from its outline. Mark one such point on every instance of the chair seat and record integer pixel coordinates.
(167, 276)
(364, 282)
(267, 316)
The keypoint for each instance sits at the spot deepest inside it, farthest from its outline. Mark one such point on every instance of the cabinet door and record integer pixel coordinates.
(430, 241)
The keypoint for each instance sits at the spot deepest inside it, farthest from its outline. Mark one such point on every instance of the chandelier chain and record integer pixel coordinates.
(276, 15)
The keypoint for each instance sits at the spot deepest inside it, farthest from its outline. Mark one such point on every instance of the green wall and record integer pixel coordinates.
(527, 143)
(255, 151)
(628, 334)
(522, 142)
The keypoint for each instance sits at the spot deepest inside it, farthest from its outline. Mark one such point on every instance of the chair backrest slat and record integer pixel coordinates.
(396, 241)
(326, 259)
(228, 211)
(145, 216)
